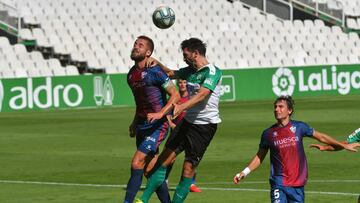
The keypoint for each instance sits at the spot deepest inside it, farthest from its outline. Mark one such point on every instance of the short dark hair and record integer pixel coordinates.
(149, 40)
(289, 101)
(194, 44)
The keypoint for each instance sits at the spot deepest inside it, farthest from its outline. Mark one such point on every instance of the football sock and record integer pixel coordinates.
(163, 193)
(193, 179)
(182, 190)
(155, 180)
(133, 185)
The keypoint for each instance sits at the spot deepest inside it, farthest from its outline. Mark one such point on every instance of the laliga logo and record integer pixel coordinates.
(283, 82)
(1, 95)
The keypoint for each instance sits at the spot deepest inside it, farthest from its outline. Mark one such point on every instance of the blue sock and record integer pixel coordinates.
(193, 179)
(133, 185)
(163, 193)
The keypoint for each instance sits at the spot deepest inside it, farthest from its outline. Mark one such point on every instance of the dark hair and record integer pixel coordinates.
(194, 44)
(149, 40)
(289, 101)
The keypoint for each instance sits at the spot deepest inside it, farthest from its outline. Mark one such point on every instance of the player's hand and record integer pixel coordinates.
(350, 147)
(151, 62)
(238, 177)
(151, 117)
(319, 147)
(172, 125)
(178, 108)
(355, 145)
(132, 130)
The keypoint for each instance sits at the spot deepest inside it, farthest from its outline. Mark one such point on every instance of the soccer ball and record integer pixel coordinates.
(163, 17)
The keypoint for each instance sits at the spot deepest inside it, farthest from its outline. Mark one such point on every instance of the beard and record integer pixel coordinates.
(136, 56)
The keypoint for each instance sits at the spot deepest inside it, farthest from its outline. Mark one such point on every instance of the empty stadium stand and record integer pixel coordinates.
(95, 36)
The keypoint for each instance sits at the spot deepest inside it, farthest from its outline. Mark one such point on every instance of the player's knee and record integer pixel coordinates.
(138, 163)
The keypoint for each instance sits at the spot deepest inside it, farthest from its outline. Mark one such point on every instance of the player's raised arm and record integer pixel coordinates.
(254, 164)
(326, 139)
(173, 99)
(200, 96)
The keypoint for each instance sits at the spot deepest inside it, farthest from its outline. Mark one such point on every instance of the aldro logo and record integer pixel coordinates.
(283, 82)
(44, 96)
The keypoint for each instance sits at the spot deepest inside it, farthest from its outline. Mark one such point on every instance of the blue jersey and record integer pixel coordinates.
(287, 156)
(148, 87)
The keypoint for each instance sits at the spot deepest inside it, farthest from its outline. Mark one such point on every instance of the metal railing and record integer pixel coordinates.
(323, 9)
(13, 23)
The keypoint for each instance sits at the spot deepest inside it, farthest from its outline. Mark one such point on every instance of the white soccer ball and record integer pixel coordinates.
(163, 17)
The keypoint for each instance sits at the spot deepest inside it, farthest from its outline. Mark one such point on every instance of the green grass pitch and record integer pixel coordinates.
(83, 156)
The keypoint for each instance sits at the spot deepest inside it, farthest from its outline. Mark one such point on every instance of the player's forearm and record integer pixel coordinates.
(200, 96)
(257, 159)
(326, 139)
(254, 163)
(174, 98)
(168, 71)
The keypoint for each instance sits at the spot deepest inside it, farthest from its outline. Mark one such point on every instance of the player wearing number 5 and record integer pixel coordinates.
(287, 157)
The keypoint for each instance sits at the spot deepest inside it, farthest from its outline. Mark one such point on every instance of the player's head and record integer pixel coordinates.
(182, 85)
(143, 48)
(193, 48)
(283, 107)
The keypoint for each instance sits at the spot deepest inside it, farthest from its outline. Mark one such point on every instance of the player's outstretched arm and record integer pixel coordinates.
(323, 147)
(254, 164)
(326, 139)
(200, 96)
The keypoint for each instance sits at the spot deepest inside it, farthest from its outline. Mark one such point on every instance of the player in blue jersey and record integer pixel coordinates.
(287, 157)
(149, 87)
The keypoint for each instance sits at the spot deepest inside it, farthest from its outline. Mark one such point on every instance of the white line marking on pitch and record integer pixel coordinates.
(204, 188)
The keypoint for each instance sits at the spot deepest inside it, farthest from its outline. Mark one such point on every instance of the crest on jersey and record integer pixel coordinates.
(275, 134)
(143, 74)
(293, 129)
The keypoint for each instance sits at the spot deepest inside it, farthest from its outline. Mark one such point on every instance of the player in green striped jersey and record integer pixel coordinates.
(353, 139)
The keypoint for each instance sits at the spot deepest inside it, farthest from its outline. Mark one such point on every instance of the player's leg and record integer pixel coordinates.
(183, 188)
(158, 174)
(198, 138)
(295, 194)
(162, 191)
(137, 171)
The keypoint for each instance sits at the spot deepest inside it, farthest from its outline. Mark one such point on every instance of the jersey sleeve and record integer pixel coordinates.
(161, 78)
(264, 142)
(354, 137)
(306, 130)
(212, 78)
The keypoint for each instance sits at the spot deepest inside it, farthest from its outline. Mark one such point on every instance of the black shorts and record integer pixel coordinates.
(193, 138)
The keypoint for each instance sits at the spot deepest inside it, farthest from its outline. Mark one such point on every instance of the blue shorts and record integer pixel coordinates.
(150, 135)
(282, 194)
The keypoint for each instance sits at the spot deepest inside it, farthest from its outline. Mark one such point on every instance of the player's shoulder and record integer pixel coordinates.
(298, 123)
(269, 129)
(212, 69)
(155, 68)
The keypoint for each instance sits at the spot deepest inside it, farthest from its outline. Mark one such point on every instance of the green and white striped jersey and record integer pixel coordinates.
(354, 137)
(209, 76)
